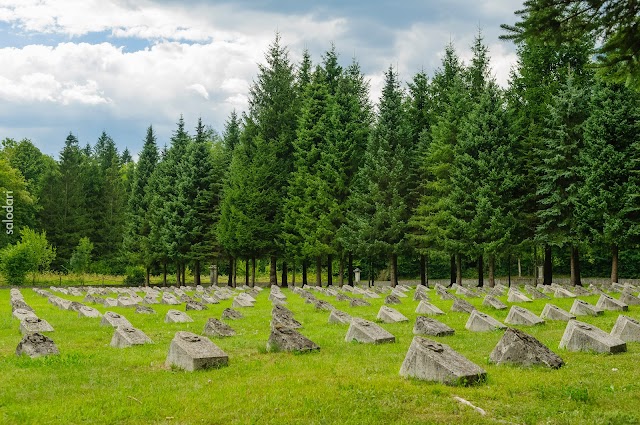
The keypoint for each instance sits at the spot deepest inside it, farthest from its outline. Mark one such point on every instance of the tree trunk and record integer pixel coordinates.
(393, 272)
(318, 271)
(285, 277)
(459, 269)
(453, 270)
(273, 273)
(293, 274)
(614, 263)
(184, 273)
(575, 267)
(164, 273)
(426, 268)
(350, 269)
(230, 279)
(178, 274)
(304, 273)
(341, 272)
(547, 267)
(196, 272)
(509, 268)
(235, 273)
(329, 270)
(147, 276)
(246, 272)
(480, 271)
(423, 270)
(253, 271)
(492, 270)
(519, 268)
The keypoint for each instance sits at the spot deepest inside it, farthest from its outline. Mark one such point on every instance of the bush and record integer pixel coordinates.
(135, 276)
(15, 263)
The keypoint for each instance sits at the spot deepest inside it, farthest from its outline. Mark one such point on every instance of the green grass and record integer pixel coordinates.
(343, 383)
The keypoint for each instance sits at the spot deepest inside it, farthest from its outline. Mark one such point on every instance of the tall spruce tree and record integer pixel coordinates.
(136, 241)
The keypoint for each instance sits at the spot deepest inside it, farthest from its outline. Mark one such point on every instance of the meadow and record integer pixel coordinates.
(345, 382)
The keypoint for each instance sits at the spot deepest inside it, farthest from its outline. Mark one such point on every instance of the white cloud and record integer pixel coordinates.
(199, 88)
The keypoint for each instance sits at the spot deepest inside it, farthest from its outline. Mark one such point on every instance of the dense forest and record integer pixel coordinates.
(447, 175)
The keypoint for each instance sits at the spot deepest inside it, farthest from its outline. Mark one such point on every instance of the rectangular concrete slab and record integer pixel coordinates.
(192, 352)
(367, 332)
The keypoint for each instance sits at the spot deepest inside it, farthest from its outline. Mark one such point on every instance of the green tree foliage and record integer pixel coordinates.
(18, 205)
(31, 254)
(378, 219)
(611, 158)
(81, 257)
(562, 172)
(561, 22)
(64, 216)
(138, 228)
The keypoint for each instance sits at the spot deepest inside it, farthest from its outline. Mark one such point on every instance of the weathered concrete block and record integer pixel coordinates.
(371, 294)
(432, 361)
(580, 336)
(522, 316)
(36, 345)
(516, 296)
(20, 305)
(462, 306)
(343, 297)
(425, 307)
(282, 316)
(561, 292)
(239, 302)
(215, 327)
(493, 302)
(150, 300)
(246, 297)
(337, 316)
(169, 299)
(21, 314)
(176, 316)
(535, 294)
(124, 337)
(480, 322)
(443, 293)
(86, 311)
(626, 329)
(191, 352)
(552, 312)
(367, 332)
(222, 295)
(466, 292)
(392, 299)
(196, 306)
(390, 315)
(30, 325)
(428, 326)
(583, 308)
(115, 320)
(420, 296)
(522, 349)
(110, 302)
(277, 296)
(607, 302)
(357, 302)
(210, 299)
(143, 309)
(323, 305)
(231, 314)
(126, 302)
(287, 339)
(629, 299)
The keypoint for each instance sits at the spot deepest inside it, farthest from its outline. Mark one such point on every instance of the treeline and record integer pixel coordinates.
(450, 175)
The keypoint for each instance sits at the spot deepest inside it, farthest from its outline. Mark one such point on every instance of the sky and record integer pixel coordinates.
(88, 66)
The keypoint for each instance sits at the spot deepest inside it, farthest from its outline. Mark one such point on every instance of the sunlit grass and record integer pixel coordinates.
(91, 382)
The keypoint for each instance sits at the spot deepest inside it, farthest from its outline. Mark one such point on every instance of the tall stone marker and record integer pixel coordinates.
(191, 352)
(580, 336)
(432, 361)
(519, 348)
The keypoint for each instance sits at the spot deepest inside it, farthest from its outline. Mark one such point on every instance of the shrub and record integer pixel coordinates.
(135, 276)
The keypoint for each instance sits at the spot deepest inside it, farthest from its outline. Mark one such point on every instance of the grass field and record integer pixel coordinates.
(344, 383)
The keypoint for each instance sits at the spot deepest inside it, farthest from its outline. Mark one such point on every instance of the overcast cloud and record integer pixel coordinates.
(120, 65)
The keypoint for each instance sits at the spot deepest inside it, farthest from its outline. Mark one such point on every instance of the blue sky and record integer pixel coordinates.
(85, 66)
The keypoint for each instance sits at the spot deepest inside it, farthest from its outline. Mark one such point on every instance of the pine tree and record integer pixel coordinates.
(610, 157)
(561, 172)
(379, 207)
(138, 223)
